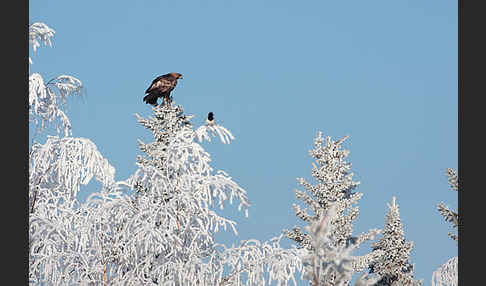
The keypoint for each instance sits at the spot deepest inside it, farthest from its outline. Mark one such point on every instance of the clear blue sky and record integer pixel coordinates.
(274, 73)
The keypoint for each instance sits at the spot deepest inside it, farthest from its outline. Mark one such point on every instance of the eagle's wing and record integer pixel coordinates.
(161, 84)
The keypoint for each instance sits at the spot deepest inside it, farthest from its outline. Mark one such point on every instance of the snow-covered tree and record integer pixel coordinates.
(334, 186)
(172, 213)
(393, 265)
(172, 210)
(447, 274)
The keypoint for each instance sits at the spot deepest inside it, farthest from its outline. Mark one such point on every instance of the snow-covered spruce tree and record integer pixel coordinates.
(334, 187)
(447, 274)
(393, 266)
(165, 234)
(171, 212)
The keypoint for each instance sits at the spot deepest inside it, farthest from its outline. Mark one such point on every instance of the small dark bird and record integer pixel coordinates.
(161, 87)
(210, 120)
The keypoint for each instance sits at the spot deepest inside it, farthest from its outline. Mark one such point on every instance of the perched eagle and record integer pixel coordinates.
(161, 87)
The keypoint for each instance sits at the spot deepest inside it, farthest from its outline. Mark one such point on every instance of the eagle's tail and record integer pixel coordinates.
(151, 99)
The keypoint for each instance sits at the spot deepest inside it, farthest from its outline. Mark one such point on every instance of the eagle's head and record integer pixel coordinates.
(175, 75)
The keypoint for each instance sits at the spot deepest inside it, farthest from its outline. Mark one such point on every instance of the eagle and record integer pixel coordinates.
(161, 87)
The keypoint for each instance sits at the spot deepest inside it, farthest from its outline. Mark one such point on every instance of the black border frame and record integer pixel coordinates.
(15, 143)
(471, 143)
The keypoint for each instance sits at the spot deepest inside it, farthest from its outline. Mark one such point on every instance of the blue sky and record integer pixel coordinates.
(274, 73)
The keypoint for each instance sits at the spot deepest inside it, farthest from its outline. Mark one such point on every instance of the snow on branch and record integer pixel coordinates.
(327, 262)
(446, 274)
(453, 179)
(187, 169)
(40, 33)
(252, 259)
(67, 85)
(74, 246)
(46, 100)
(194, 191)
(448, 214)
(61, 165)
(204, 132)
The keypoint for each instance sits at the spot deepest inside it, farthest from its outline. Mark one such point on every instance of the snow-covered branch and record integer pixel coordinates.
(204, 132)
(46, 101)
(40, 33)
(448, 214)
(60, 165)
(327, 263)
(446, 274)
(250, 262)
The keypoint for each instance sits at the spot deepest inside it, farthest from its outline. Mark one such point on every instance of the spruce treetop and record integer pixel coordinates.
(393, 265)
(335, 186)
